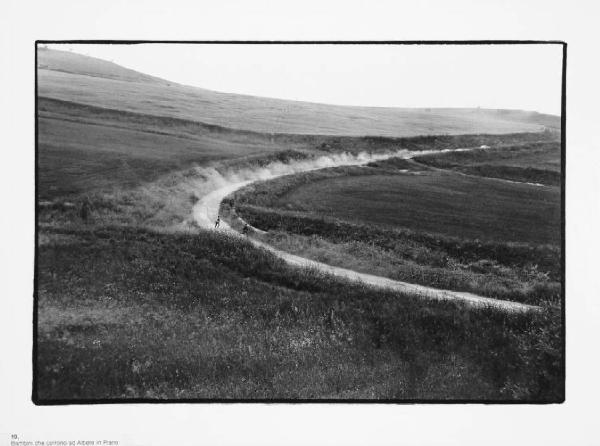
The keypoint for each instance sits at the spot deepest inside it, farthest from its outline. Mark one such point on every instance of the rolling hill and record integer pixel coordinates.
(72, 77)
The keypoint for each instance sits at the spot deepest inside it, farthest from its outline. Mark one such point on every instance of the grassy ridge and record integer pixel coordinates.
(131, 313)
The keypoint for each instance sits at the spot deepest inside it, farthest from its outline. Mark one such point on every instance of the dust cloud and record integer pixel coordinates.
(211, 179)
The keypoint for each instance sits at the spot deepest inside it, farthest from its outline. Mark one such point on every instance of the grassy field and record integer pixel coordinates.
(138, 303)
(128, 313)
(425, 200)
(536, 162)
(84, 148)
(77, 78)
(436, 202)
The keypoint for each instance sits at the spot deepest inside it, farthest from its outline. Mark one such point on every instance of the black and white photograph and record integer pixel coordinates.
(217, 222)
(275, 223)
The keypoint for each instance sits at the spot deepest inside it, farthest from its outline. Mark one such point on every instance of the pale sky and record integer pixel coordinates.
(526, 77)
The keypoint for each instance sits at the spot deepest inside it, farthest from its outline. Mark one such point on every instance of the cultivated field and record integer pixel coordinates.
(530, 162)
(136, 301)
(434, 201)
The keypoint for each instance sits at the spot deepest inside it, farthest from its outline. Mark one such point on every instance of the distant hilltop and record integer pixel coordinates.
(87, 80)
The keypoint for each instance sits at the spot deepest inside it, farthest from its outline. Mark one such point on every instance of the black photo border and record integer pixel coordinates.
(56, 402)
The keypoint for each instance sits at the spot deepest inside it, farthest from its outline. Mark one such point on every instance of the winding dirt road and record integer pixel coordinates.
(206, 211)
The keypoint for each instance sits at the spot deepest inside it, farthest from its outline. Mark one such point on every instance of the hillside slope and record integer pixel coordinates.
(73, 77)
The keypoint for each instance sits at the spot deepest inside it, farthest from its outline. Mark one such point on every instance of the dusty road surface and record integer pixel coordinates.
(206, 211)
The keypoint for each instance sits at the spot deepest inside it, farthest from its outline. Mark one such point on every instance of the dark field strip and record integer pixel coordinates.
(438, 202)
(537, 162)
(78, 157)
(515, 173)
(75, 158)
(127, 313)
(542, 154)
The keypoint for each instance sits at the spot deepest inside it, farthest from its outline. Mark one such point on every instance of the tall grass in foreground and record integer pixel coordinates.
(127, 313)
